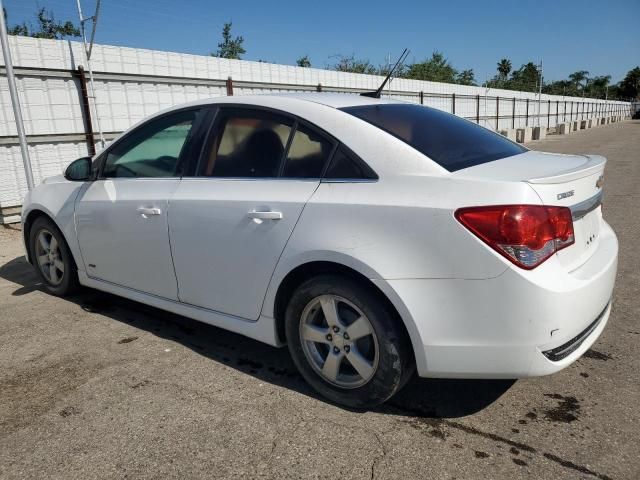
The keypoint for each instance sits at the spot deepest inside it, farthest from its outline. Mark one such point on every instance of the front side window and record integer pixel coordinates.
(450, 141)
(247, 143)
(153, 150)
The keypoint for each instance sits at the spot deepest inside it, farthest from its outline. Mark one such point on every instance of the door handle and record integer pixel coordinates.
(264, 215)
(147, 212)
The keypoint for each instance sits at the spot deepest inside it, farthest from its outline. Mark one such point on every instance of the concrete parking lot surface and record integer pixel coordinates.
(95, 386)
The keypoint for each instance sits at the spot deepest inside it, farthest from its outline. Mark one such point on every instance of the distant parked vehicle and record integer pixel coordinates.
(370, 236)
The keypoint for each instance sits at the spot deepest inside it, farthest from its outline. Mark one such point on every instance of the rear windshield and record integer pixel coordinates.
(450, 141)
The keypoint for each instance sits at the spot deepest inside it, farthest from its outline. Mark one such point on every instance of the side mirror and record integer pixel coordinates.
(79, 170)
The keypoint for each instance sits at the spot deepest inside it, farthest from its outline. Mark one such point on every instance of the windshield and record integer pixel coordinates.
(448, 140)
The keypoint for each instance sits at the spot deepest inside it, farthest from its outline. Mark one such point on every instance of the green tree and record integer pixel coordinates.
(47, 27)
(229, 47)
(526, 78)
(504, 69)
(579, 79)
(304, 61)
(598, 86)
(466, 77)
(354, 65)
(436, 69)
(629, 87)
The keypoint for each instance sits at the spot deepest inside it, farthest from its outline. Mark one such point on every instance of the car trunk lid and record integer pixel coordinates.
(573, 181)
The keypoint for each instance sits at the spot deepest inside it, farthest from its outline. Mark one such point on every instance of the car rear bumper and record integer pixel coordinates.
(519, 324)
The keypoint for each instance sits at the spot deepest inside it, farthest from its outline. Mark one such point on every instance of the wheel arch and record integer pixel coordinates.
(27, 224)
(305, 271)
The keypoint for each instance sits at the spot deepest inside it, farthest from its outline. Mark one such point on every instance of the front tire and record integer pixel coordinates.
(52, 258)
(346, 342)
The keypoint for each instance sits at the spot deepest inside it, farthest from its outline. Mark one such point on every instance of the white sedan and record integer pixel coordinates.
(372, 237)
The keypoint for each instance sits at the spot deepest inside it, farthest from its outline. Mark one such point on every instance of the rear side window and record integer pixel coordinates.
(345, 167)
(448, 140)
(307, 155)
(247, 144)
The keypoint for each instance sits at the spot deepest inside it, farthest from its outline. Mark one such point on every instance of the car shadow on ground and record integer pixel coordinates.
(427, 398)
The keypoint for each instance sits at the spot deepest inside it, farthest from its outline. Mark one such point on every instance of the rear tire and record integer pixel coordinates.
(346, 342)
(52, 258)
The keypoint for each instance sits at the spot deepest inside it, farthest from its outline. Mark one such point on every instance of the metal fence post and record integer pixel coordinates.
(498, 113)
(421, 97)
(513, 114)
(526, 115)
(86, 111)
(549, 115)
(478, 109)
(229, 86)
(453, 103)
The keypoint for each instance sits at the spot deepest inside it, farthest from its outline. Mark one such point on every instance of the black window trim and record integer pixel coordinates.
(296, 120)
(201, 114)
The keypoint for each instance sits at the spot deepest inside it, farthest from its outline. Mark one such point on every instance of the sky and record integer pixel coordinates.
(602, 37)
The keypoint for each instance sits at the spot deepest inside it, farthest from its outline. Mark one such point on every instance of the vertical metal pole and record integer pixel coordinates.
(229, 86)
(87, 56)
(549, 114)
(526, 115)
(453, 103)
(86, 112)
(421, 97)
(540, 93)
(513, 114)
(15, 101)
(478, 109)
(498, 113)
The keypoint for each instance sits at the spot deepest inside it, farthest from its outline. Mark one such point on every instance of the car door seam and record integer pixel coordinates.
(284, 248)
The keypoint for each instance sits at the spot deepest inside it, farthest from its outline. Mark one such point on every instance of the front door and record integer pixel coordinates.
(121, 217)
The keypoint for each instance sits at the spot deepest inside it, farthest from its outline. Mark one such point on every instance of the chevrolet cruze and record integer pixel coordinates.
(372, 237)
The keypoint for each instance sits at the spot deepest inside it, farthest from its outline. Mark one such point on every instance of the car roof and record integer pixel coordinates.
(329, 99)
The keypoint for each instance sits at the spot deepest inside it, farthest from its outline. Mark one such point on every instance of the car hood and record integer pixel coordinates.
(55, 179)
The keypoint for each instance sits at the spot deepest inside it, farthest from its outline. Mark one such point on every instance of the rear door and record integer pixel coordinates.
(231, 220)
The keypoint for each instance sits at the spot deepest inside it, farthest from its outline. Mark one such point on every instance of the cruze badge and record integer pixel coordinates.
(600, 181)
(565, 194)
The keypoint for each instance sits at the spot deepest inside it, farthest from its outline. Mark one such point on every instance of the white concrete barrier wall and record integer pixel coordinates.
(51, 101)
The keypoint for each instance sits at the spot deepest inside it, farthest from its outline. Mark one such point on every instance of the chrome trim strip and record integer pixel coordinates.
(581, 209)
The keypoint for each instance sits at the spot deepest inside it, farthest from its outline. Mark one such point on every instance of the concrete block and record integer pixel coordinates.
(583, 124)
(509, 133)
(539, 133)
(523, 135)
(563, 128)
(575, 126)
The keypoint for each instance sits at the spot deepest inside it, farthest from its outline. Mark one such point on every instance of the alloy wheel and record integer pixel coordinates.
(49, 257)
(338, 341)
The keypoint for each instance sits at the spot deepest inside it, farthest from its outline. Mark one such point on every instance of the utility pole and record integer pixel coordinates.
(15, 101)
(540, 92)
(87, 57)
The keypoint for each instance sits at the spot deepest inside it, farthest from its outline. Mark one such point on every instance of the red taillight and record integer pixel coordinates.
(525, 234)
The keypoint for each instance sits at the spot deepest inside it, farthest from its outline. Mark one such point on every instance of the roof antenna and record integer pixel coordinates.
(378, 92)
